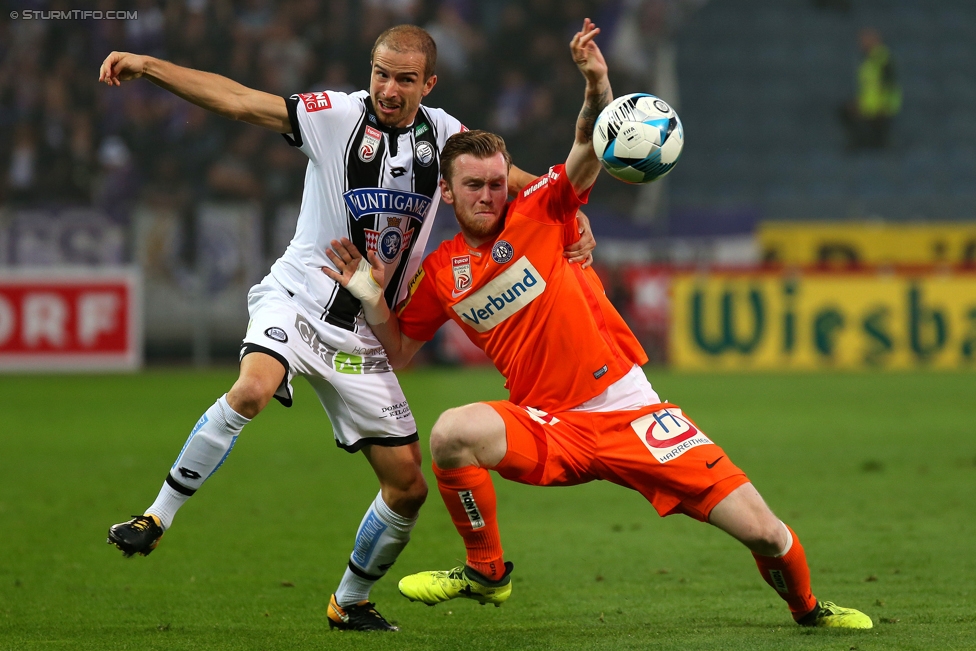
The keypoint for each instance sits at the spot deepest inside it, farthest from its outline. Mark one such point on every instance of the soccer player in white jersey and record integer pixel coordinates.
(373, 177)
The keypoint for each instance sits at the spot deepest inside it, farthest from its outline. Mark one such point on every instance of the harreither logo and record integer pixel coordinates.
(372, 201)
(508, 293)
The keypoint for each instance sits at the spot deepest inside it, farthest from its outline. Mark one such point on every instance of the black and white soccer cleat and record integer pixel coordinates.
(358, 617)
(140, 535)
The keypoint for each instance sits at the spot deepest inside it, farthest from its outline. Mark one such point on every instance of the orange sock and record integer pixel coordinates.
(470, 499)
(789, 576)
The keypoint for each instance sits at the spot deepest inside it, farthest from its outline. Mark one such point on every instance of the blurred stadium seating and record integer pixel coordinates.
(101, 176)
(760, 85)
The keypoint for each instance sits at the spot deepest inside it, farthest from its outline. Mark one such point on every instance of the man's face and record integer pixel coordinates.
(478, 191)
(397, 85)
(868, 40)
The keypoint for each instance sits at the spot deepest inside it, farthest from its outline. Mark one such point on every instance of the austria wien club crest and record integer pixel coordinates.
(502, 252)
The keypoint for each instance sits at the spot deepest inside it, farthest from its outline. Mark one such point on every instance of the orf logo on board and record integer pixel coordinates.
(668, 434)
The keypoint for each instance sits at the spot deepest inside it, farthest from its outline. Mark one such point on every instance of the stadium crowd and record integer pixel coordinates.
(65, 140)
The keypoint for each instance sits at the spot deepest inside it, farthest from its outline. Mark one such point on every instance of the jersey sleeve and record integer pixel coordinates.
(446, 124)
(551, 198)
(421, 312)
(315, 120)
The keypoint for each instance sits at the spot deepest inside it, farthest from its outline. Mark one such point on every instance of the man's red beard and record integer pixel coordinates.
(481, 228)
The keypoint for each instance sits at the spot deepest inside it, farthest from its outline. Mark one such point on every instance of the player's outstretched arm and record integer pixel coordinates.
(582, 166)
(205, 89)
(580, 251)
(365, 281)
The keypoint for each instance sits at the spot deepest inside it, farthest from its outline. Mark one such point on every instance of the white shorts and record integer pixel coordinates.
(349, 371)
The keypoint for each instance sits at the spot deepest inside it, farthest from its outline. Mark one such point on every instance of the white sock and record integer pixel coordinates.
(209, 443)
(167, 503)
(381, 537)
(789, 542)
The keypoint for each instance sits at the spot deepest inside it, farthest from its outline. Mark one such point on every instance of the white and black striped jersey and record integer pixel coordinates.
(376, 185)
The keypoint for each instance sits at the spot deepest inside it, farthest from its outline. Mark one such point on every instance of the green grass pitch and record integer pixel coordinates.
(876, 472)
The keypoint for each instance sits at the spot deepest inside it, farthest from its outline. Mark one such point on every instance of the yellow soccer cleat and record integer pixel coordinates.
(830, 615)
(435, 587)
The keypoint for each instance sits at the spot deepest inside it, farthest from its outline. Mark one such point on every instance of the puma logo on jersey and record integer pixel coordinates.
(508, 293)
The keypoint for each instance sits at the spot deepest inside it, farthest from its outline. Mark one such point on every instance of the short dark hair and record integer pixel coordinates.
(480, 144)
(409, 38)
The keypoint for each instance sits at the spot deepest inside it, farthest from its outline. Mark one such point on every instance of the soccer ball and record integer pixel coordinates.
(638, 138)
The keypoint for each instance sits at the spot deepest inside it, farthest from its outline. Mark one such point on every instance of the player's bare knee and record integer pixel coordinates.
(448, 437)
(767, 535)
(416, 494)
(249, 396)
(776, 535)
(406, 496)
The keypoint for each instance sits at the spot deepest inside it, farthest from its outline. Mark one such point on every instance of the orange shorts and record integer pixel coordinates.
(656, 450)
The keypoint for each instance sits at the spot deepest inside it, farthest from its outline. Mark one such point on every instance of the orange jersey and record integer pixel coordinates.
(546, 324)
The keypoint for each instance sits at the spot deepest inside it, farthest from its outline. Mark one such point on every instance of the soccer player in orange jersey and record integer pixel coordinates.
(580, 408)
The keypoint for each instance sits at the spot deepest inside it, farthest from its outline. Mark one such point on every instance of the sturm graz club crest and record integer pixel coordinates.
(502, 252)
(277, 334)
(424, 153)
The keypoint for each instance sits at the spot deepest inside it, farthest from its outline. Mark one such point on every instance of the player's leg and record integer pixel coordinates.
(369, 412)
(660, 452)
(384, 531)
(782, 562)
(209, 443)
(521, 444)
(464, 442)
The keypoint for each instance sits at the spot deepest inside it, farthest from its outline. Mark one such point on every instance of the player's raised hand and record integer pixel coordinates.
(586, 53)
(364, 280)
(121, 66)
(346, 257)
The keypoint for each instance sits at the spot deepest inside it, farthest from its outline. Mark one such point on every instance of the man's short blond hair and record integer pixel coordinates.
(408, 38)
